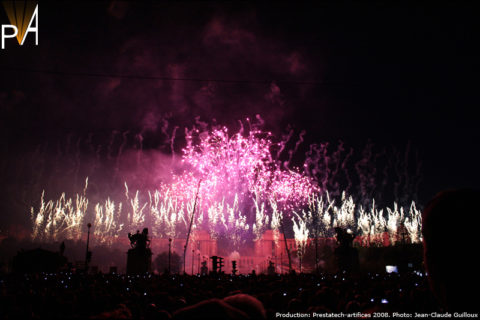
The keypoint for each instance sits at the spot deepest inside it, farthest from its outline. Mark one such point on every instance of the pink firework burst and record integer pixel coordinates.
(238, 165)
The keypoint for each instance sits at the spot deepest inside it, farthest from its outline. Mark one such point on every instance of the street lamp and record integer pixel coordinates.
(198, 264)
(88, 254)
(169, 253)
(193, 259)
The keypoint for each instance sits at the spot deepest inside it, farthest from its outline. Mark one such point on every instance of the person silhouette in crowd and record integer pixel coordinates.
(450, 240)
(239, 306)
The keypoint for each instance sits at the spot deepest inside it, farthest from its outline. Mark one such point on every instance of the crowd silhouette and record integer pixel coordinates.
(148, 296)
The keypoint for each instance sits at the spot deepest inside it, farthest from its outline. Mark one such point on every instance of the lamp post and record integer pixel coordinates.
(198, 264)
(193, 259)
(300, 258)
(88, 254)
(281, 262)
(276, 265)
(169, 253)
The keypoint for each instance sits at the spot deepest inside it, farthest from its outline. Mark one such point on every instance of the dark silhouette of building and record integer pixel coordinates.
(38, 260)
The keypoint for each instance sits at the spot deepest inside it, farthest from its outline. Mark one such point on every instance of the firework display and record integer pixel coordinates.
(244, 190)
(238, 160)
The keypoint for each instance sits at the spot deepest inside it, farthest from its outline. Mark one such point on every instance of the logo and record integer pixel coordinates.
(23, 17)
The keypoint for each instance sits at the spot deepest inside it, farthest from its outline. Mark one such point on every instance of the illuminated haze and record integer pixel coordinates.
(314, 75)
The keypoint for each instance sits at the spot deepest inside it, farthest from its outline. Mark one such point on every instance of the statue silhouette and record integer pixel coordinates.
(139, 258)
(139, 240)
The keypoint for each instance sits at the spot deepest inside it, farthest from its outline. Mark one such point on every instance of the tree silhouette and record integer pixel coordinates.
(161, 262)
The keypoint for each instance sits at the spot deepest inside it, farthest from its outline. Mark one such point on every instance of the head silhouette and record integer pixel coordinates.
(450, 239)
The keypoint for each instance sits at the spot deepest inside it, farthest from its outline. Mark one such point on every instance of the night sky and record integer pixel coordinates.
(392, 73)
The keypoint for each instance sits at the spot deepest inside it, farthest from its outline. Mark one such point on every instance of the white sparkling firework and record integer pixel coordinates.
(300, 232)
(244, 191)
(106, 227)
(413, 224)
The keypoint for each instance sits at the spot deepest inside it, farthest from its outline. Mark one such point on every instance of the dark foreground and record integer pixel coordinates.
(71, 296)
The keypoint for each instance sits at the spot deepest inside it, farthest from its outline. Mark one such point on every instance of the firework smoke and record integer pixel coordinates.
(245, 190)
